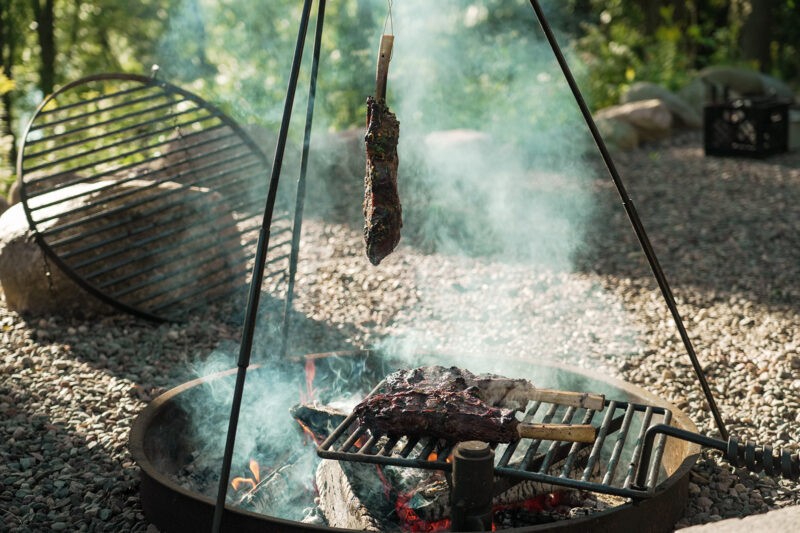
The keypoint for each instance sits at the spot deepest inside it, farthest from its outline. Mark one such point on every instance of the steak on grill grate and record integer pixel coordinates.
(495, 390)
(452, 415)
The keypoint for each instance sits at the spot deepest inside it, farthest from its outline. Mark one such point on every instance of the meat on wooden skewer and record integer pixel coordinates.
(456, 415)
(382, 210)
(495, 390)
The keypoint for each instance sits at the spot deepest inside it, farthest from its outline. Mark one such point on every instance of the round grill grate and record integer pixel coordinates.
(147, 196)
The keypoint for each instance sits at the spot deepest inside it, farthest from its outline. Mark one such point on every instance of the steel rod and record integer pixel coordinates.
(598, 443)
(576, 446)
(512, 446)
(116, 170)
(97, 99)
(618, 446)
(105, 122)
(100, 110)
(165, 118)
(409, 447)
(301, 181)
(183, 187)
(637, 450)
(84, 153)
(128, 232)
(251, 312)
(567, 419)
(658, 454)
(534, 446)
(131, 232)
(633, 216)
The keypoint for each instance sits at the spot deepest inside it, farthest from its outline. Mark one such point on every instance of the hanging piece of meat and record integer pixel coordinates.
(456, 415)
(382, 211)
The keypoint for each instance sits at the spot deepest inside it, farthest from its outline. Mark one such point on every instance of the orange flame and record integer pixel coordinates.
(238, 483)
(256, 470)
(308, 433)
(433, 456)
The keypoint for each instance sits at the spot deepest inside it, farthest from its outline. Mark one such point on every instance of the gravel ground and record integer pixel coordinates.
(725, 231)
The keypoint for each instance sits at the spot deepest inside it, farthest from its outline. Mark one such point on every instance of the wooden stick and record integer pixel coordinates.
(384, 56)
(558, 432)
(572, 399)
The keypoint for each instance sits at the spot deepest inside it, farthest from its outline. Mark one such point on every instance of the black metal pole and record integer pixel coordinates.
(633, 216)
(301, 181)
(251, 314)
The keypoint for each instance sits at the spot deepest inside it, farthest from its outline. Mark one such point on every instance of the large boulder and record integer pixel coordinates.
(13, 193)
(617, 133)
(682, 113)
(33, 284)
(651, 119)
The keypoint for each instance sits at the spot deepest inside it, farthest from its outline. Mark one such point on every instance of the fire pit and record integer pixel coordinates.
(161, 444)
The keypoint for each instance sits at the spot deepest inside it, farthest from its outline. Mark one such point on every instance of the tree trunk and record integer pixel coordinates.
(755, 38)
(44, 29)
(8, 38)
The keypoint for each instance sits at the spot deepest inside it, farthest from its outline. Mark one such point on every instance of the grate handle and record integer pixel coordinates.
(743, 455)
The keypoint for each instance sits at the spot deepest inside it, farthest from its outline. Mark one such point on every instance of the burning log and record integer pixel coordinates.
(342, 487)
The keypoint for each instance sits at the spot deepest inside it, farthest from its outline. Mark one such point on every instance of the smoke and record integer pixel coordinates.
(494, 178)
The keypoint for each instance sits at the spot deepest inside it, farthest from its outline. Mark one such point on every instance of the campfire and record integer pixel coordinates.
(406, 486)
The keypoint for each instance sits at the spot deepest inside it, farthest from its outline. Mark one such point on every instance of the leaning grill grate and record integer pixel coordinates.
(148, 196)
(607, 466)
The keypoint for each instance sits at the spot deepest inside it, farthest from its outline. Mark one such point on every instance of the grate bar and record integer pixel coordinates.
(512, 446)
(97, 99)
(136, 203)
(428, 449)
(367, 447)
(107, 122)
(111, 133)
(658, 453)
(598, 443)
(548, 459)
(354, 436)
(103, 188)
(389, 446)
(129, 232)
(117, 170)
(125, 141)
(207, 288)
(576, 446)
(412, 442)
(637, 451)
(535, 443)
(621, 437)
(153, 281)
(100, 110)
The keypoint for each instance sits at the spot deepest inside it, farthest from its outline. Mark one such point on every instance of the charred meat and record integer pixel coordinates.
(495, 390)
(382, 210)
(452, 415)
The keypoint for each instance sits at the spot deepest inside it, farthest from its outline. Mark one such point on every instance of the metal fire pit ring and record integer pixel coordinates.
(157, 449)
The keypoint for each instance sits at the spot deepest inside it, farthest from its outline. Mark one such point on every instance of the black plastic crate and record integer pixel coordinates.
(755, 127)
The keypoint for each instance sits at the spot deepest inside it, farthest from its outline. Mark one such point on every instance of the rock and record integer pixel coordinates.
(617, 133)
(682, 113)
(33, 284)
(3, 205)
(13, 193)
(652, 119)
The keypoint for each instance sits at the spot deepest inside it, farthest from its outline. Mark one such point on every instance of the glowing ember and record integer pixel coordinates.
(309, 394)
(433, 456)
